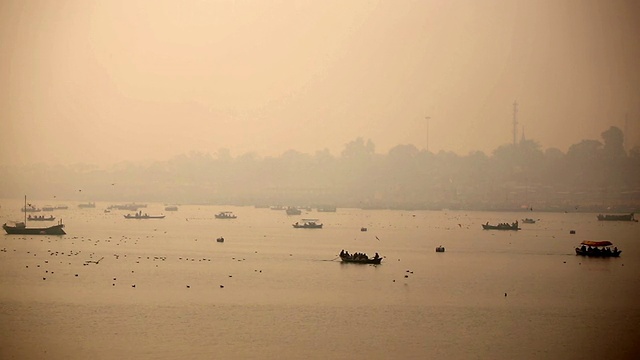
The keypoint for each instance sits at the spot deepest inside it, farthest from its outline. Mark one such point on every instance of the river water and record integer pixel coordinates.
(166, 289)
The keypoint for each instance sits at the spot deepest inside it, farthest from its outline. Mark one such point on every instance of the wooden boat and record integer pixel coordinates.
(358, 258)
(501, 226)
(220, 239)
(171, 208)
(597, 249)
(625, 217)
(225, 215)
(30, 208)
(130, 207)
(41, 218)
(20, 228)
(440, 248)
(293, 211)
(308, 224)
(89, 205)
(528, 221)
(140, 215)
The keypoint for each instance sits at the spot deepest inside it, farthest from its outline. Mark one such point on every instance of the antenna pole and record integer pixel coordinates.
(427, 118)
(515, 121)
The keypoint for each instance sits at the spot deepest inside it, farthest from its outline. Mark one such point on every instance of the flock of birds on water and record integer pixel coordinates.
(45, 262)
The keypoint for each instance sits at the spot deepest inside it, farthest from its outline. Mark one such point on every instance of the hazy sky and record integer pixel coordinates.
(107, 81)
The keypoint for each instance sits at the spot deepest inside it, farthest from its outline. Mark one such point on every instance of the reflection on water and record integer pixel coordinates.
(272, 291)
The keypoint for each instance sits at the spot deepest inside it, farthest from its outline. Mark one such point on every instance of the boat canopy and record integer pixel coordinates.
(596, 243)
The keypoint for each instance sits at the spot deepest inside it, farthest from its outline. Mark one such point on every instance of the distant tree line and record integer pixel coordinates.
(591, 176)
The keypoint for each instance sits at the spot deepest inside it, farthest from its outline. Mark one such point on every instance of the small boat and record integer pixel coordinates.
(60, 207)
(293, 211)
(30, 208)
(140, 215)
(130, 207)
(440, 248)
(225, 215)
(171, 208)
(89, 205)
(20, 228)
(327, 209)
(597, 249)
(359, 258)
(528, 221)
(625, 217)
(308, 224)
(41, 218)
(220, 239)
(363, 229)
(501, 226)
(47, 208)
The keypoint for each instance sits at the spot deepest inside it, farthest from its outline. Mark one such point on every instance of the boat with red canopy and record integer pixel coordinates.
(597, 249)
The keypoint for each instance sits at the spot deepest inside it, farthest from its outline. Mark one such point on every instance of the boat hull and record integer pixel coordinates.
(143, 217)
(318, 226)
(361, 261)
(499, 227)
(627, 217)
(598, 254)
(19, 230)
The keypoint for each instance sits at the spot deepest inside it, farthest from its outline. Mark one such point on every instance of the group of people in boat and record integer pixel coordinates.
(356, 255)
(39, 217)
(595, 251)
(513, 224)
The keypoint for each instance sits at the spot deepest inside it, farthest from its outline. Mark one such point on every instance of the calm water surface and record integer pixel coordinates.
(271, 291)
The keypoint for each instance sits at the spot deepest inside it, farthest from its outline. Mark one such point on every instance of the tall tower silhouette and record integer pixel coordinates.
(515, 121)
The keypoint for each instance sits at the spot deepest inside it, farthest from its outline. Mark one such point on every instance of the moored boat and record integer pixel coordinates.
(21, 228)
(359, 258)
(610, 217)
(528, 221)
(41, 218)
(225, 215)
(501, 226)
(171, 208)
(308, 224)
(30, 208)
(88, 205)
(140, 215)
(293, 211)
(597, 249)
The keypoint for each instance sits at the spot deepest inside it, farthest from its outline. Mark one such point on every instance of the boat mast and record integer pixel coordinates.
(25, 209)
